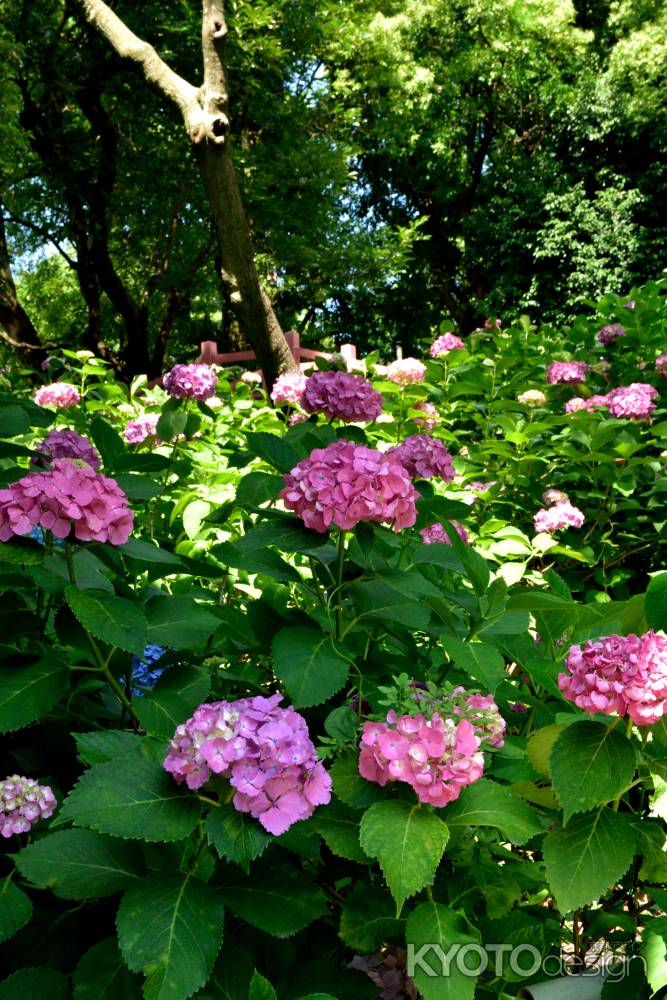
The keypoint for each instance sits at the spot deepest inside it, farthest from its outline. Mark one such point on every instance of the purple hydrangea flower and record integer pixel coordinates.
(194, 381)
(67, 444)
(342, 396)
(23, 803)
(424, 457)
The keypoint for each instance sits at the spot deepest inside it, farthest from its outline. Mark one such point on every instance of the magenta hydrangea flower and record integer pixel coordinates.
(622, 674)
(265, 752)
(635, 401)
(139, 430)
(435, 533)
(23, 803)
(288, 388)
(405, 371)
(661, 365)
(562, 372)
(342, 396)
(442, 345)
(611, 332)
(437, 757)
(424, 457)
(67, 444)
(194, 381)
(58, 394)
(346, 483)
(552, 496)
(561, 515)
(429, 417)
(67, 496)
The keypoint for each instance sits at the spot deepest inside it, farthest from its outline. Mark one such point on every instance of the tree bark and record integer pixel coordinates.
(205, 116)
(16, 327)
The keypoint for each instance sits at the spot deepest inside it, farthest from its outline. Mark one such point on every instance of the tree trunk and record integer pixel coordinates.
(16, 328)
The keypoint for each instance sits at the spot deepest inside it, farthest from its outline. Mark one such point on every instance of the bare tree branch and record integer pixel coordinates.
(44, 233)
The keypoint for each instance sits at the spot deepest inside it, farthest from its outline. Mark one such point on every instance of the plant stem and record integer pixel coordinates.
(339, 583)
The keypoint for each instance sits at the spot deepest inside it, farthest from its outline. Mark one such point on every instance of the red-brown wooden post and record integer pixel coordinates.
(209, 352)
(294, 343)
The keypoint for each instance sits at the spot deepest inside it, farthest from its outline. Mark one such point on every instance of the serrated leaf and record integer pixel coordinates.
(132, 797)
(261, 988)
(101, 747)
(432, 929)
(367, 919)
(408, 841)
(102, 975)
(273, 449)
(15, 909)
(80, 864)
(235, 835)
(538, 748)
(339, 826)
(480, 661)
(170, 928)
(28, 693)
(36, 983)
(114, 620)
(144, 551)
(175, 696)
(486, 803)
(585, 859)
(178, 621)
(258, 487)
(308, 665)
(375, 600)
(280, 901)
(590, 764)
(654, 952)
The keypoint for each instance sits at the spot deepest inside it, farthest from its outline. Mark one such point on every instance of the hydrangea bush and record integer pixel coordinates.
(287, 706)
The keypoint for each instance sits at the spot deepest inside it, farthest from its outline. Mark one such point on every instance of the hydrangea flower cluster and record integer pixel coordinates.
(532, 398)
(68, 444)
(346, 483)
(251, 378)
(623, 674)
(442, 345)
(67, 496)
(611, 332)
(263, 749)
(194, 381)
(342, 396)
(562, 372)
(288, 388)
(561, 515)
(144, 676)
(429, 417)
(661, 365)
(404, 371)
(58, 394)
(579, 403)
(23, 803)
(435, 533)
(481, 487)
(387, 970)
(437, 757)
(552, 496)
(139, 430)
(635, 401)
(485, 716)
(424, 457)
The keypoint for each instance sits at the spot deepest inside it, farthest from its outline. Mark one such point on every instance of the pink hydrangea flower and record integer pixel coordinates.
(561, 515)
(435, 533)
(139, 430)
(596, 400)
(58, 394)
(442, 345)
(266, 753)
(342, 396)
(194, 381)
(430, 418)
(622, 674)
(424, 457)
(251, 378)
(404, 371)
(346, 483)
(288, 388)
(561, 372)
(611, 332)
(485, 716)
(635, 401)
(68, 444)
(23, 803)
(67, 496)
(552, 496)
(297, 418)
(661, 365)
(481, 487)
(575, 404)
(437, 757)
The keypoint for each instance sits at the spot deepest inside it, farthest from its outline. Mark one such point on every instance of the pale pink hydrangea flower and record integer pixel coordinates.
(532, 397)
(288, 388)
(424, 457)
(596, 400)
(436, 534)
(346, 483)
(342, 396)
(195, 381)
(67, 496)
(58, 394)
(139, 430)
(297, 418)
(611, 332)
(661, 365)
(266, 753)
(251, 378)
(635, 401)
(561, 515)
(552, 496)
(562, 372)
(430, 418)
(442, 345)
(575, 404)
(67, 444)
(481, 487)
(405, 371)
(630, 304)
(23, 803)
(622, 674)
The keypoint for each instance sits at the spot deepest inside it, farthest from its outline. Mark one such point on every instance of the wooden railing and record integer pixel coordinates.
(211, 356)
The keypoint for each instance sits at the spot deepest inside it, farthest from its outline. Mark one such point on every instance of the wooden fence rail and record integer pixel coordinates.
(211, 356)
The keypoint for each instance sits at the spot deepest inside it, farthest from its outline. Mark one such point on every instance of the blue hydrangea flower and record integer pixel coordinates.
(38, 534)
(143, 676)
